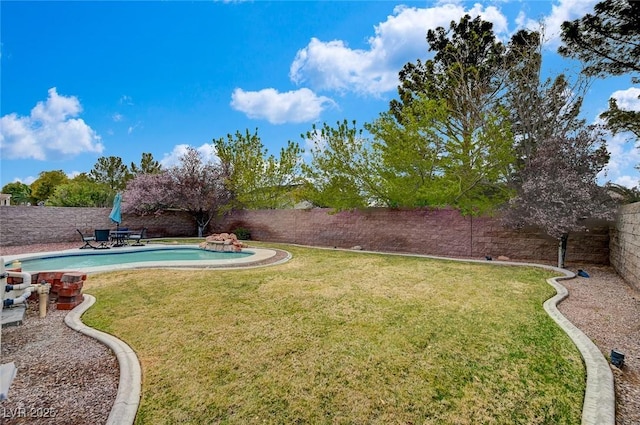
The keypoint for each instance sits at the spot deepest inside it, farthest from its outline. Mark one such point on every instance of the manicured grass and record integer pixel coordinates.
(337, 337)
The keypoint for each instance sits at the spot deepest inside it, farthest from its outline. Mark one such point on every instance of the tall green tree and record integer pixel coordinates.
(112, 172)
(411, 154)
(81, 191)
(255, 179)
(555, 179)
(44, 186)
(608, 43)
(466, 77)
(148, 165)
(20, 193)
(344, 170)
(467, 66)
(539, 108)
(620, 120)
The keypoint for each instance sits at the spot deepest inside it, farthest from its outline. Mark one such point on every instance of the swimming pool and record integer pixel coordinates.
(121, 258)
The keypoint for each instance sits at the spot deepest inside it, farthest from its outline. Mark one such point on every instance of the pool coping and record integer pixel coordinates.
(259, 255)
(599, 397)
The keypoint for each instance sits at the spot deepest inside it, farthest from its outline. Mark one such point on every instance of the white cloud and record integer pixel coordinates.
(278, 108)
(27, 180)
(50, 130)
(521, 19)
(628, 181)
(629, 99)
(207, 150)
(562, 10)
(133, 128)
(117, 117)
(333, 65)
(624, 156)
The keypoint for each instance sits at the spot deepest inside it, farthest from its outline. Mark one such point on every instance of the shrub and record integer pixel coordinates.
(242, 233)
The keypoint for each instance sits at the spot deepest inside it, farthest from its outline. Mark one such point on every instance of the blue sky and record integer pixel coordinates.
(81, 80)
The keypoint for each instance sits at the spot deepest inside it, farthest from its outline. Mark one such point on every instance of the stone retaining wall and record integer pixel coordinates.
(625, 244)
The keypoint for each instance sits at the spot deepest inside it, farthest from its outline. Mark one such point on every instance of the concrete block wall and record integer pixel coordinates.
(22, 225)
(424, 231)
(625, 244)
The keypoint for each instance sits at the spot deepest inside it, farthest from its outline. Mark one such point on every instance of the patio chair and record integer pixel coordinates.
(86, 240)
(138, 237)
(102, 236)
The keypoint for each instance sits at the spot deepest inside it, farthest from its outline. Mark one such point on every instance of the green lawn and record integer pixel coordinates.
(336, 337)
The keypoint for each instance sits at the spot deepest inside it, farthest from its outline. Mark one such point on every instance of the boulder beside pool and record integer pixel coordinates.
(222, 242)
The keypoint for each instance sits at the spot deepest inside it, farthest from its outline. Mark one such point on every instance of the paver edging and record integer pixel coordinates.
(129, 392)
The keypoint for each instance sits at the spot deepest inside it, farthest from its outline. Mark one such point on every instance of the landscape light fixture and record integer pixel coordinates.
(617, 358)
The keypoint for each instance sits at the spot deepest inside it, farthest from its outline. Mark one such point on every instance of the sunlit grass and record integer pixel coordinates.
(344, 338)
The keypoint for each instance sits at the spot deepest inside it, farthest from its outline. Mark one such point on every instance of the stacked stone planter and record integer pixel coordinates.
(66, 287)
(70, 293)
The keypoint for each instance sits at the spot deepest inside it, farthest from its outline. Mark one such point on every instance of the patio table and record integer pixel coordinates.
(119, 237)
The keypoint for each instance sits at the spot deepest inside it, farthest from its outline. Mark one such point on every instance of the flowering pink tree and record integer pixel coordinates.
(194, 186)
(558, 189)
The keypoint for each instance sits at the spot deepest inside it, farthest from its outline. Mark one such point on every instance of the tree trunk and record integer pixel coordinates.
(562, 249)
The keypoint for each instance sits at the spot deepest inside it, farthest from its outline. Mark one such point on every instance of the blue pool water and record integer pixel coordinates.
(112, 257)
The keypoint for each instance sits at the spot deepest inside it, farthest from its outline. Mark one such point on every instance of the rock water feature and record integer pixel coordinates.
(222, 242)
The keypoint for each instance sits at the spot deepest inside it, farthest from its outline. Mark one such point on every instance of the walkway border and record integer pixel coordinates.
(129, 392)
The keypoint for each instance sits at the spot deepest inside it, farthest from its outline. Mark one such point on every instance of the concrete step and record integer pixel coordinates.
(7, 373)
(13, 316)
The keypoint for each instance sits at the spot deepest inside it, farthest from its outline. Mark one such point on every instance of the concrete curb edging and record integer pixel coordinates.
(599, 407)
(129, 392)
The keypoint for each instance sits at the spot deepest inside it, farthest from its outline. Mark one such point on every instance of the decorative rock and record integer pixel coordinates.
(357, 248)
(220, 242)
(503, 258)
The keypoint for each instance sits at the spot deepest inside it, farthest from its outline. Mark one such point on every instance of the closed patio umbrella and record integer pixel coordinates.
(116, 214)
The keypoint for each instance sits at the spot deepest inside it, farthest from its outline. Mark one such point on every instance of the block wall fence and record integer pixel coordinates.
(625, 244)
(21, 225)
(423, 231)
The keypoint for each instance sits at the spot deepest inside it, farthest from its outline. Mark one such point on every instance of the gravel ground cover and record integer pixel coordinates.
(65, 377)
(607, 309)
